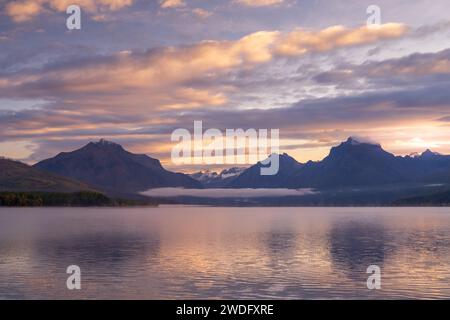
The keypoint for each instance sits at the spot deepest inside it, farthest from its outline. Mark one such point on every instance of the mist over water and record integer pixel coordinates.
(202, 252)
(227, 193)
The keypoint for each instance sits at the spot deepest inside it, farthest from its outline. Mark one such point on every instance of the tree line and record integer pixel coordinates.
(55, 199)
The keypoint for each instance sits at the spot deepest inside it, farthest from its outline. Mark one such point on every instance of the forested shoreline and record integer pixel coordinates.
(59, 199)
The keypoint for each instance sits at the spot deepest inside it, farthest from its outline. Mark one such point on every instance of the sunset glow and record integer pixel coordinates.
(136, 71)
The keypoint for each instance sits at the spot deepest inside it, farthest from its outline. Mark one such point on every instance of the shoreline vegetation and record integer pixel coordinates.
(59, 199)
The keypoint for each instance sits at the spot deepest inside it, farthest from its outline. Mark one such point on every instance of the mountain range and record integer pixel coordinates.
(352, 165)
(252, 178)
(109, 167)
(210, 179)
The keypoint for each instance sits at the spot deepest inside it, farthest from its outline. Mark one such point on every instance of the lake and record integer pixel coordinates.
(182, 252)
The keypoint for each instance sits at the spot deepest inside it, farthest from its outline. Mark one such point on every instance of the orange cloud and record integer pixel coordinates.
(183, 77)
(417, 68)
(301, 41)
(167, 4)
(25, 10)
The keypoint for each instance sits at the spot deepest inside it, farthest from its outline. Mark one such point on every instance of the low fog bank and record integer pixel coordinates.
(225, 193)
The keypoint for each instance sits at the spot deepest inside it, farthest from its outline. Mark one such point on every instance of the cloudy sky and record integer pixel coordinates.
(138, 69)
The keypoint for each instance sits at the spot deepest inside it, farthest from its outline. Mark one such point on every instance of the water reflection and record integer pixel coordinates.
(280, 246)
(188, 252)
(98, 251)
(356, 245)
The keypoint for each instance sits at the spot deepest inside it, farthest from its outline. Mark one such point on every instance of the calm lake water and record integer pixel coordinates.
(200, 252)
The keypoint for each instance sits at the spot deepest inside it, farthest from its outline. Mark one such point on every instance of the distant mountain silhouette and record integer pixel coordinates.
(252, 178)
(217, 180)
(351, 164)
(429, 167)
(109, 167)
(17, 176)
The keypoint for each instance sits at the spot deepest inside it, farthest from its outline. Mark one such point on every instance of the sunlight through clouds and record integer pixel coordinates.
(151, 66)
